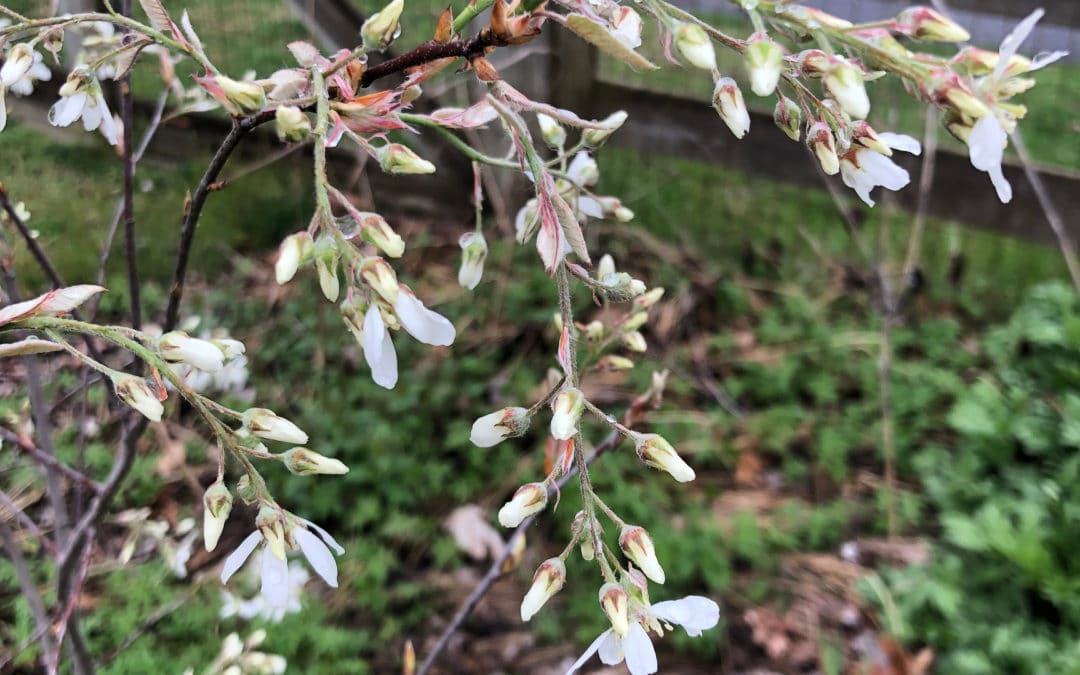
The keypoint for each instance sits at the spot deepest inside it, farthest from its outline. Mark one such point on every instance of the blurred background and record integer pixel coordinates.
(882, 406)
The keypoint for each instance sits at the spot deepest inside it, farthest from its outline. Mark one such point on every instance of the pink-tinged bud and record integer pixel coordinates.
(656, 452)
(245, 98)
(397, 159)
(647, 300)
(816, 18)
(551, 131)
(863, 134)
(695, 46)
(246, 491)
(380, 277)
(616, 604)
(595, 137)
(273, 531)
(376, 231)
(764, 62)
(813, 62)
(382, 27)
(137, 393)
(217, 504)
(496, 427)
(788, 117)
(638, 547)
(567, 408)
(626, 25)
(844, 82)
(17, 64)
(529, 499)
(179, 347)
(291, 124)
(295, 250)
(473, 253)
(977, 61)
(304, 462)
(548, 580)
(924, 23)
(634, 341)
(821, 141)
(728, 101)
(266, 424)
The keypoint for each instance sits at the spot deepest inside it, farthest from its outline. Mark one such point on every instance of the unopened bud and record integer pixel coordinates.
(606, 266)
(788, 117)
(326, 264)
(728, 101)
(616, 604)
(567, 408)
(656, 452)
(580, 528)
(695, 46)
(395, 158)
(765, 62)
(245, 98)
(273, 531)
(924, 23)
(634, 341)
(382, 27)
(294, 250)
(217, 504)
(137, 393)
(494, 428)
(978, 61)
(844, 82)
(473, 253)
(529, 499)
(304, 462)
(636, 320)
(550, 129)
(821, 141)
(230, 348)
(232, 648)
(380, 277)
(17, 64)
(548, 580)
(638, 547)
(813, 62)
(178, 346)
(594, 331)
(614, 362)
(291, 124)
(266, 424)
(648, 299)
(965, 102)
(621, 287)
(376, 231)
(865, 135)
(246, 491)
(596, 137)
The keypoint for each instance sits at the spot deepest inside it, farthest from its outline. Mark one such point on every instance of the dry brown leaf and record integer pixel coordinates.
(472, 532)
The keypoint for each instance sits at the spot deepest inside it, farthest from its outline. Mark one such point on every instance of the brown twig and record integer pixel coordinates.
(433, 50)
(27, 522)
(127, 115)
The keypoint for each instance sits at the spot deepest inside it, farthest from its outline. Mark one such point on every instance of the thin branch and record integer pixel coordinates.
(27, 522)
(433, 51)
(28, 237)
(127, 114)
(48, 460)
(926, 180)
(29, 592)
(496, 569)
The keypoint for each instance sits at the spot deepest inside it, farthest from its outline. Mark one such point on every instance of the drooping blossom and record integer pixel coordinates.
(81, 98)
(864, 168)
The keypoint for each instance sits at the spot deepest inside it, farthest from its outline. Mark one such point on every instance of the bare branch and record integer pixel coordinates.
(30, 593)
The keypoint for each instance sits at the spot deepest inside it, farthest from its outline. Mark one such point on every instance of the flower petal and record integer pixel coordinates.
(67, 110)
(423, 324)
(1013, 40)
(590, 651)
(275, 579)
(640, 654)
(379, 349)
(237, 558)
(320, 558)
(986, 144)
(611, 649)
(1043, 59)
(901, 142)
(108, 125)
(330, 541)
(694, 613)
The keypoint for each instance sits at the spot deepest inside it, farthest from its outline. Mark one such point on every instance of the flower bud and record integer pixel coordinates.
(17, 64)
(326, 264)
(647, 300)
(817, 17)
(376, 231)
(616, 604)
(230, 348)
(656, 452)
(965, 102)
(269, 523)
(473, 252)
(137, 393)
(638, 547)
(636, 321)
(634, 341)
(865, 135)
(627, 27)
(844, 82)
(232, 648)
(382, 27)
(567, 408)
(304, 462)
(621, 286)
(266, 424)
(596, 137)
(217, 503)
(494, 428)
(813, 62)
(291, 124)
(395, 158)
(178, 346)
(822, 142)
(529, 499)
(53, 41)
(695, 46)
(924, 23)
(548, 580)
(246, 491)
(294, 250)
(728, 101)
(378, 275)
(606, 267)
(246, 97)
(594, 331)
(788, 117)
(614, 362)
(764, 62)
(552, 132)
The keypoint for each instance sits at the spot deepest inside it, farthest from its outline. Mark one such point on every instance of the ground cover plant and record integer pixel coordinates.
(602, 309)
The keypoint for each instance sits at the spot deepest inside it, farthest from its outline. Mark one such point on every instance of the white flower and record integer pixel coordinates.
(864, 169)
(257, 607)
(379, 349)
(202, 354)
(583, 170)
(266, 424)
(694, 613)
(22, 66)
(627, 25)
(275, 571)
(474, 251)
(986, 146)
(422, 323)
(81, 97)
